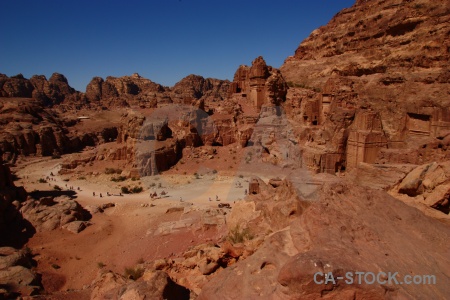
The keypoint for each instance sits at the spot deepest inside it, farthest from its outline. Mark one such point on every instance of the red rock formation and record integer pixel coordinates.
(196, 87)
(387, 56)
(260, 83)
(124, 91)
(338, 232)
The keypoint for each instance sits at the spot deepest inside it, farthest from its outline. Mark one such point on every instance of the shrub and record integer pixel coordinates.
(81, 178)
(42, 180)
(236, 235)
(137, 189)
(101, 265)
(57, 188)
(118, 179)
(214, 171)
(134, 273)
(241, 176)
(152, 184)
(133, 190)
(112, 171)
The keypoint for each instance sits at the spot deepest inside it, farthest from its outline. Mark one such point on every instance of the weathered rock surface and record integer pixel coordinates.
(16, 278)
(50, 92)
(384, 62)
(345, 230)
(49, 215)
(27, 128)
(260, 83)
(154, 285)
(427, 185)
(10, 198)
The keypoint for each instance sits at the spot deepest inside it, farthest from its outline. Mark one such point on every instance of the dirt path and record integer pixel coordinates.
(124, 234)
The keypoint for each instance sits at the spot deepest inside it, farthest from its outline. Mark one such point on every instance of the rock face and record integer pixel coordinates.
(260, 83)
(372, 85)
(16, 278)
(50, 92)
(27, 128)
(195, 87)
(126, 90)
(49, 213)
(136, 91)
(15, 273)
(284, 266)
(156, 285)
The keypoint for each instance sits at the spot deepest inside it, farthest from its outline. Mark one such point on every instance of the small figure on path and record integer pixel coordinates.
(93, 194)
(245, 192)
(101, 195)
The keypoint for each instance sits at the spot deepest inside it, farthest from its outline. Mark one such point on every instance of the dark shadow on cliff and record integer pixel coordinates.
(174, 291)
(53, 194)
(17, 233)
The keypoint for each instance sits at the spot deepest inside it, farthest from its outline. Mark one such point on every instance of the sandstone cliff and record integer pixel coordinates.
(372, 85)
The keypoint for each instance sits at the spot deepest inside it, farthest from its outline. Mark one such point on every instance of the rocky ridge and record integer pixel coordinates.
(372, 86)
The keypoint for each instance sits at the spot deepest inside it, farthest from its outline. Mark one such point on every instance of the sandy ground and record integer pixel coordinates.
(126, 233)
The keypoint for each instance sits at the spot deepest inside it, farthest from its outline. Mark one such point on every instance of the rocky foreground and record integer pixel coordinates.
(356, 125)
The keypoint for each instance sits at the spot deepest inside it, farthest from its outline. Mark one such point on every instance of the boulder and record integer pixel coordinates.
(64, 211)
(76, 226)
(156, 285)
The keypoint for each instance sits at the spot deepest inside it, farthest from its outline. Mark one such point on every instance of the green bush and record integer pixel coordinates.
(133, 190)
(236, 235)
(119, 178)
(136, 189)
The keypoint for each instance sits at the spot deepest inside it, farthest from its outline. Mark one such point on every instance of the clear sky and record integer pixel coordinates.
(163, 40)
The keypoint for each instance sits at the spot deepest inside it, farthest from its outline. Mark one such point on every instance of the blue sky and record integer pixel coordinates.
(163, 40)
